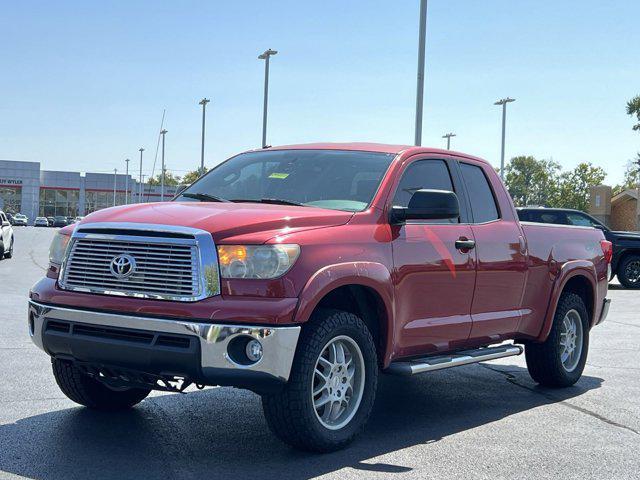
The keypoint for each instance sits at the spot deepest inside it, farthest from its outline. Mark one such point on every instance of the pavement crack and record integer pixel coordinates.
(625, 324)
(512, 379)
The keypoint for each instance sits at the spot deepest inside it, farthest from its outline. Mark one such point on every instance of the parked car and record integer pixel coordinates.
(70, 220)
(6, 237)
(51, 221)
(78, 219)
(625, 263)
(20, 220)
(302, 272)
(41, 222)
(60, 221)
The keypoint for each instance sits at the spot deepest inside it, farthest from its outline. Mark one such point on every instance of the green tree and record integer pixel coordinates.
(531, 181)
(574, 186)
(633, 108)
(192, 176)
(169, 179)
(631, 176)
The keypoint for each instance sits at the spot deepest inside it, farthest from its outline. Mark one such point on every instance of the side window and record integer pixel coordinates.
(423, 174)
(577, 219)
(483, 203)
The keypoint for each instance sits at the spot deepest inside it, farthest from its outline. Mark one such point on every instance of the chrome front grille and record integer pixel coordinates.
(171, 267)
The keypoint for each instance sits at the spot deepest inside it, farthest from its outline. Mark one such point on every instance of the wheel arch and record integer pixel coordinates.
(361, 288)
(578, 277)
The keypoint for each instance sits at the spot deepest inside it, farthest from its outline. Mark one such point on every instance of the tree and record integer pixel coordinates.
(631, 176)
(633, 108)
(169, 179)
(531, 181)
(574, 186)
(192, 176)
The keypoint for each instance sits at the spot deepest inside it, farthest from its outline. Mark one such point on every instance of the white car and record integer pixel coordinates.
(20, 219)
(41, 222)
(6, 237)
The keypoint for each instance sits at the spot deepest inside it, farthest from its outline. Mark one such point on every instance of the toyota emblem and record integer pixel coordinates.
(122, 266)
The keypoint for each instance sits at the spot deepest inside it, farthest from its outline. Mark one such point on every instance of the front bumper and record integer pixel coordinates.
(193, 350)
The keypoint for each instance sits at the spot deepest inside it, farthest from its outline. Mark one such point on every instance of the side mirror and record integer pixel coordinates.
(427, 205)
(5, 224)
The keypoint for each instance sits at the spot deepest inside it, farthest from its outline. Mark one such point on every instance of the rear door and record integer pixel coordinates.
(501, 254)
(434, 280)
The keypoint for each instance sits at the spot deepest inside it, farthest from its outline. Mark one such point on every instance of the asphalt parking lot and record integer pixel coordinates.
(481, 421)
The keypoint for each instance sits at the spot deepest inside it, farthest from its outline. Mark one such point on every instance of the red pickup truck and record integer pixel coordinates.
(303, 272)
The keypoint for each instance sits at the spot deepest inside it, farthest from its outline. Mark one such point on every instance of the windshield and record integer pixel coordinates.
(341, 180)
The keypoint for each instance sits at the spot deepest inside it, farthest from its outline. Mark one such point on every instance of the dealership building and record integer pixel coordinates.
(25, 188)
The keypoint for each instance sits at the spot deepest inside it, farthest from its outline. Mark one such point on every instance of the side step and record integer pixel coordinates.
(430, 364)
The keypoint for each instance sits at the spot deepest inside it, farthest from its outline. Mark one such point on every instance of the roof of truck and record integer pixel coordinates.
(371, 147)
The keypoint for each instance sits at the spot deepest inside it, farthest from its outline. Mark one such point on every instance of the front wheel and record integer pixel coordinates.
(629, 271)
(332, 385)
(559, 361)
(91, 393)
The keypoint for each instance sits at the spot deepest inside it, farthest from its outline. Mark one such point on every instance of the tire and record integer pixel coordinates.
(545, 360)
(91, 393)
(291, 414)
(9, 254)
(629, 271)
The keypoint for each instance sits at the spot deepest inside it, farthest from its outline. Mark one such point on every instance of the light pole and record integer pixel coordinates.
(503, 102)
(141, 182)
(265, 56)
(420, 86)
(203, 102)
(126, 183)
(448, 137)
(115, 178)
(163, 133)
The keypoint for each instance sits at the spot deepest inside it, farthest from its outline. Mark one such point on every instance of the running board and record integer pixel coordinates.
(430, 364)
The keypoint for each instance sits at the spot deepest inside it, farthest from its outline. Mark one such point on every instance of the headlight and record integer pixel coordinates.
(256, 261)
(58, 248)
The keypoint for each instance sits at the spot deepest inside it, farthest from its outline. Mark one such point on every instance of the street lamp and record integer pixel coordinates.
(265, 56)
(448, 137)
(126, 183)
(503, 102)
(163, 133)
(140, 189)
(115, 178)
(202, 102)
(420, 84)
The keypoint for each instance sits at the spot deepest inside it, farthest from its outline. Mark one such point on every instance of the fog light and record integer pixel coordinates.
(254, 350)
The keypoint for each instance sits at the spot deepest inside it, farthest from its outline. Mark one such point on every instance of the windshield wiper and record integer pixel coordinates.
(274, 201)
(203, 197)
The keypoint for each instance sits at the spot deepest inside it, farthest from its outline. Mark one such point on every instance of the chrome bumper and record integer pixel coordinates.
(279, 343)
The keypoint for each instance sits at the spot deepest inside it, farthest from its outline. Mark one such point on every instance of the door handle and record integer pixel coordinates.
(464, 244)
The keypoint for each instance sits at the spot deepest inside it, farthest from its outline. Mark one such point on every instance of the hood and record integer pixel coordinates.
(227, 222)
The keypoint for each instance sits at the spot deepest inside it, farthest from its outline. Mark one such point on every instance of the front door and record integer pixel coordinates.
(434, 280)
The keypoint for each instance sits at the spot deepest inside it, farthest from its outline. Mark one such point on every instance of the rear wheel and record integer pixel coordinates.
(91, 393)
(560, 360)
(629, 271)
(332, 385)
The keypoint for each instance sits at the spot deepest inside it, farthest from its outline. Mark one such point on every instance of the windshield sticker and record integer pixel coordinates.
(281, 176)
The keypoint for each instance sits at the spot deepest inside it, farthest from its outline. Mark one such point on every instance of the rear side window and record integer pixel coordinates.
(423, 174)
(483, 203)
(542, 216)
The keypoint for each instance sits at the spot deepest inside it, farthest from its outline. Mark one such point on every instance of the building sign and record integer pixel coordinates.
(10, 181)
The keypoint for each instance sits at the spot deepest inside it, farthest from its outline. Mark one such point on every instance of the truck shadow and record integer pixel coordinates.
(221, 433)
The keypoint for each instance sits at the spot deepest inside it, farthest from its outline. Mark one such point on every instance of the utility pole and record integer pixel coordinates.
(448, 137)
(115, 178)
(420, 84)
(265, 56)
(126, 183)
(141, 178)
(503, 102)
(163, 133)
(203, 102)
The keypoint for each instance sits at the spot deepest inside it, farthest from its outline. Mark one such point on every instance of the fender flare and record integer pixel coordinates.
(373, 275)
(569, 270)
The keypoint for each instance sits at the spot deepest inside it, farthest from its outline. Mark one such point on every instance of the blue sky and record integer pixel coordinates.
(84, 84)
